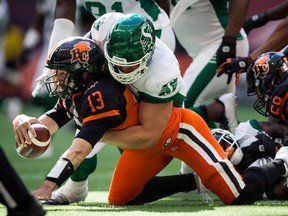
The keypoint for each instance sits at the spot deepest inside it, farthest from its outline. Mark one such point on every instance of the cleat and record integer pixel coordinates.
(70, 192)
(282, 154)
(229, 120)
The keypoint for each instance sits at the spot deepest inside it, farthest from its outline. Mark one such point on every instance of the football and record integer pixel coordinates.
(280, 189)
(39, 144)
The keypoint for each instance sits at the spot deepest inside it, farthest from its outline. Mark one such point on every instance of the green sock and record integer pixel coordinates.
(120, 150)
(87, 167)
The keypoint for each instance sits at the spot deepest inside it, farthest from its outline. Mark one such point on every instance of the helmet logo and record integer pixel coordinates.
(80, 52)
(168, 88)
(261, 66)
(146, 37)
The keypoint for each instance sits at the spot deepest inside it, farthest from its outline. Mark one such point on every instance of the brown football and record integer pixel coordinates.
(39, 144)
(280, 189)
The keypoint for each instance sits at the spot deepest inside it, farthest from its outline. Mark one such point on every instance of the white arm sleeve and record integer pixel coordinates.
(62, 29)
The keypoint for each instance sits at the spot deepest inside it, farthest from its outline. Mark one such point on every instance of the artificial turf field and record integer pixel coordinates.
(33, 171)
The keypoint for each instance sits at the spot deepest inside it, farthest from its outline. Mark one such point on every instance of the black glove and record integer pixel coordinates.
(255, 22)
(234, 65)
(226, 50)
(263, 147)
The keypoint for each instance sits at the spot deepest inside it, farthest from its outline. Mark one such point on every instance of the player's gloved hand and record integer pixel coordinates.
(40, 82)
(227, 49)
(235, 65)
(255, 22)
(263, 147)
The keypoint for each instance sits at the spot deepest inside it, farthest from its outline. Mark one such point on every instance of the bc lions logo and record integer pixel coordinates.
(261, 66)
(80, 52)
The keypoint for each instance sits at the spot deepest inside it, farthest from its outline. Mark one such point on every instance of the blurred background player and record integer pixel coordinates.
(10, 78)
(210, 32)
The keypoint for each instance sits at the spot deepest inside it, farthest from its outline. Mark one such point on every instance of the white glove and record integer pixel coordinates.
(40, 82)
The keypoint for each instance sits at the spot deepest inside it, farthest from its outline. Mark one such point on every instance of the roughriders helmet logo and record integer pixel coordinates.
(80, 52)
(146, 39)
(261, 66)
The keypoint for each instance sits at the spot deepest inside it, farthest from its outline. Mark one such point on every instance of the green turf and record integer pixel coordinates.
(33, 171)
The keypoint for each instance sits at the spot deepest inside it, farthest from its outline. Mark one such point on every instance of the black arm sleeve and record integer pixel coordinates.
(59, 115)
(92, 133)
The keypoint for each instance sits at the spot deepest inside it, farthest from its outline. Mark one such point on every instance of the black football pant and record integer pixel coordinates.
(13, 192)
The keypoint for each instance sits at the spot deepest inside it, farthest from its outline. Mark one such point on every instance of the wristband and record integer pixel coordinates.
(229, 39)
(61, 171)
(262, 18)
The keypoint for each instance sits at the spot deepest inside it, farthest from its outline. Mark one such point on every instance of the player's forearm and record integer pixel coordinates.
(277, 40)
(237, 14)
(278, 12)
(67, 163)
(77, 152)
(131, 138)
(66, 9)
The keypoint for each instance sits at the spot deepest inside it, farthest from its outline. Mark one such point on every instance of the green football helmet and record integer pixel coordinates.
(131, 43)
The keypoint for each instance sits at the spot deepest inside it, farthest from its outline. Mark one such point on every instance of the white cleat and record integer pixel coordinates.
(282, 154)
(70, 192)
(230, 121)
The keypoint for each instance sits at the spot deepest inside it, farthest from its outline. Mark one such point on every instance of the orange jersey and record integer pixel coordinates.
(188, 138)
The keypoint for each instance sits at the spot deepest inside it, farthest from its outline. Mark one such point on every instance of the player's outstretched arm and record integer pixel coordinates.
(64, 167)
